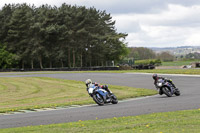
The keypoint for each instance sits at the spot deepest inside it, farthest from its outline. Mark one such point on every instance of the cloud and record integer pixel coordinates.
(175, 15)
(184, 2)
(193, 39)
(175, 26)
(127, 23)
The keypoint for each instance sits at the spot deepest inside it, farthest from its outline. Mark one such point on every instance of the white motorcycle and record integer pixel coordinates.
(101, 96)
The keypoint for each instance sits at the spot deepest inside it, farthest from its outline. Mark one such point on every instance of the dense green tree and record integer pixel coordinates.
(63, 41)
(5, 15)
(51, 34)
(36, 40)
(18, 33)
(67, 36)
(7, 60)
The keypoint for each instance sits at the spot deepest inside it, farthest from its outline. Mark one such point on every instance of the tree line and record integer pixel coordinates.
(65, 36)
(142, 53)
(194, 55)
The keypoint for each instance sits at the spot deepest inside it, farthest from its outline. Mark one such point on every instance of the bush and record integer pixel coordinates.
(6, 58)
(156, 62)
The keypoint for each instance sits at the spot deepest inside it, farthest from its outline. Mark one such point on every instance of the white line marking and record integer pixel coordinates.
(74, 106)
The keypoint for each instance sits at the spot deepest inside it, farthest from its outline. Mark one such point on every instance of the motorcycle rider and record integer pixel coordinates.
(156, 78)
(89, 82)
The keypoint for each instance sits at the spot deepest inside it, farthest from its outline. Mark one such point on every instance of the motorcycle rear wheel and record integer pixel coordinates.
(98, 99)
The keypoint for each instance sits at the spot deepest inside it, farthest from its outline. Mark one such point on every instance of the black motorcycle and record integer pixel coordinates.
(167, 88)
(101, 96)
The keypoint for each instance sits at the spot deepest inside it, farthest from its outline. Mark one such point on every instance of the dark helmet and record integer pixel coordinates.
(154, 76)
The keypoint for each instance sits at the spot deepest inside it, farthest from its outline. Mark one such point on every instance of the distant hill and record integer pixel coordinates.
(183, 50)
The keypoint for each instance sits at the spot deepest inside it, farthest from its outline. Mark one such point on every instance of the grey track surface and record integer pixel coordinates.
(189, 99)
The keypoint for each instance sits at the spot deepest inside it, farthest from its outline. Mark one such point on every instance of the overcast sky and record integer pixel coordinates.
(149, 23)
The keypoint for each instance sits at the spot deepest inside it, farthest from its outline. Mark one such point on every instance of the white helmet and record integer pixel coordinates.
(88, 81)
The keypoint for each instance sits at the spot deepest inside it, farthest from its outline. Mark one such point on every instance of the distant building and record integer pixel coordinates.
(195, 64)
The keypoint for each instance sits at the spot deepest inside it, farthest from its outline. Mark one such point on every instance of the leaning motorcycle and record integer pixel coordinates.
(167, 88)
(101, 96)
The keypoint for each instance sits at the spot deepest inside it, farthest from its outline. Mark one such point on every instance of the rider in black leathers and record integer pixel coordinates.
(156, 78)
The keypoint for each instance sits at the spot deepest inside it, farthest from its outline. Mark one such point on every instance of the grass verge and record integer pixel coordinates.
(170, 71)
(179, 63)
(163, 71)
(41, 92)
(168, 122)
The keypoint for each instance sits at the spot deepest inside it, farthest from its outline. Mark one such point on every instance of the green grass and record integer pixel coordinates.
(163, 71)
(42, 92)
(179, 63)
(168, 122)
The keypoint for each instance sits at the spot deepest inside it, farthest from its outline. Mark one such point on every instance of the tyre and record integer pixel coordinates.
(167, 91)
(98, 99)
(177, 92)
(114, 99)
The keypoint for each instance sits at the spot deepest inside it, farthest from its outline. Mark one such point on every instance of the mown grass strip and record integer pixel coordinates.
(161, 71)
(170, 71)
(41, 92)
(168, 122)
(179, 63)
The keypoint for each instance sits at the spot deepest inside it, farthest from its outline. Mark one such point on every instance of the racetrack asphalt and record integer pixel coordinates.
(189, 99)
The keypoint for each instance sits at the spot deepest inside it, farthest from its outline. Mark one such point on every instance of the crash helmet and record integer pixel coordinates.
(154, 76)
(88, 81)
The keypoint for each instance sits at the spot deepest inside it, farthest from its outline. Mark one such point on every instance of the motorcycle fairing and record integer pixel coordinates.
(103, 93)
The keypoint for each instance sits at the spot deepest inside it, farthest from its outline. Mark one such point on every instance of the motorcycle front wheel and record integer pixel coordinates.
(98, 99)
(114, 99)
(177, 92)
(167, 91)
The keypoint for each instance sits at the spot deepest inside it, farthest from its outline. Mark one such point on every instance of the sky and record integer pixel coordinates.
(148, 23)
